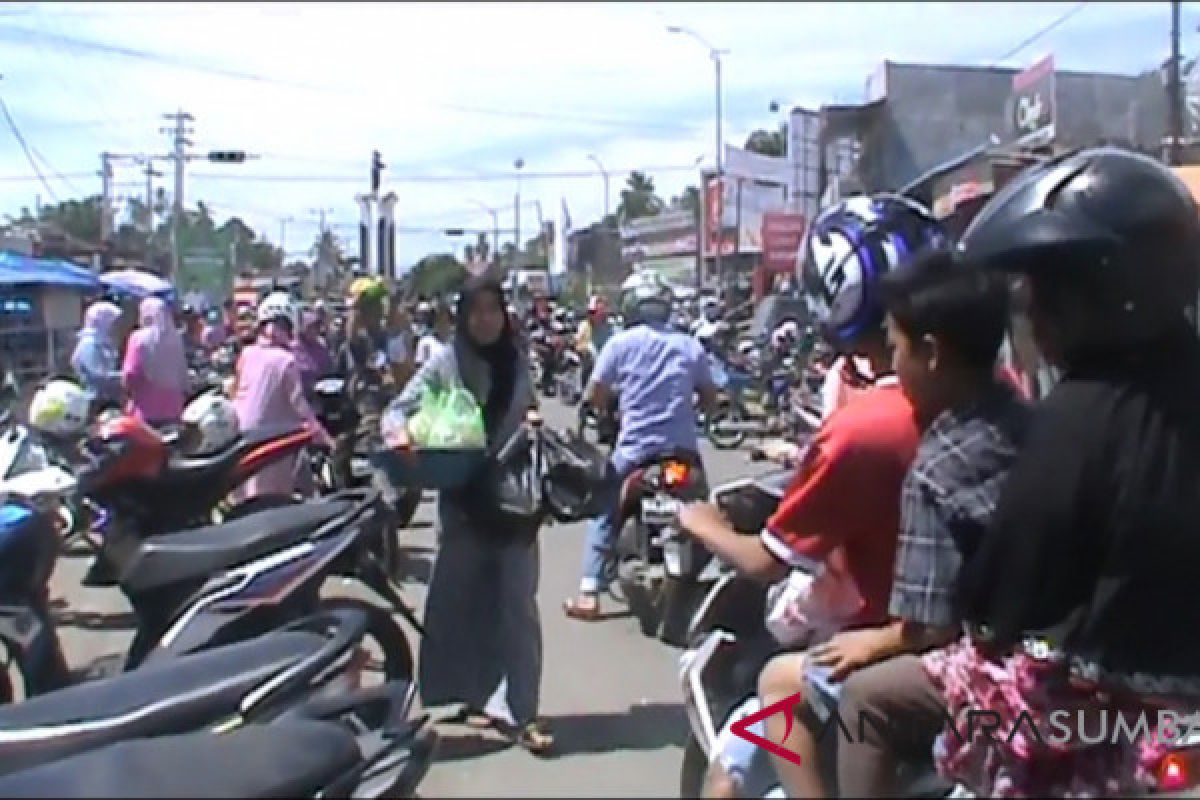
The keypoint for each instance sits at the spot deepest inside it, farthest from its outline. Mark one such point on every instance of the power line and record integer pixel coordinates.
(1041, 32)
(494, 176)
(12, 126)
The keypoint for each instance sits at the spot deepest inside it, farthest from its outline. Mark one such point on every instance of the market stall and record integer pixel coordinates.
(41, 311)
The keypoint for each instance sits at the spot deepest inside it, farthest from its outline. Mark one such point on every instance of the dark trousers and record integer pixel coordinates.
(909, 711)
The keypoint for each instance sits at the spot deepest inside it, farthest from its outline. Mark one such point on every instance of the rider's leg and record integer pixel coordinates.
(598, 547)
(906, 713)
(781, 678)
(739, 768)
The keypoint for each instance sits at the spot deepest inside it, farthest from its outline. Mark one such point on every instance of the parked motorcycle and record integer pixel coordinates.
(364, 744)
(222, 688)
(147, 488)
(789, 412)
(198, 589)
(662, 575)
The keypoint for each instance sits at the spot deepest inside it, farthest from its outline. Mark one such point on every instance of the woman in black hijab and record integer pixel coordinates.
(483, 642)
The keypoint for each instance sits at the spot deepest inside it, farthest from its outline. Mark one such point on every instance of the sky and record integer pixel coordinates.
(452, 94)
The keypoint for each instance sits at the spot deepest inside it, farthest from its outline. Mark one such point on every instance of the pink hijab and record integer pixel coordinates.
(160, 345)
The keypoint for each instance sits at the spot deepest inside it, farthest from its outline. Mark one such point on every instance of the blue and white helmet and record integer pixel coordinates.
(849, 247)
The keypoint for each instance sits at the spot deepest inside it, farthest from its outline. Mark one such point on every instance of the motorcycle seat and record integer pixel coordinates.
(199, 553)
(284, 759)
(170, 696)
(181, 468)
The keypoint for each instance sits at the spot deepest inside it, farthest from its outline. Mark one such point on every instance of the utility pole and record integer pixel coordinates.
(151, 174)
(518, 164)
(604, 174)
(106, 198)
(179, 155)
(1175, 94)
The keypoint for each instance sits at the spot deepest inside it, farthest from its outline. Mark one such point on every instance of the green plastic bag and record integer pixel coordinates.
(448, 419)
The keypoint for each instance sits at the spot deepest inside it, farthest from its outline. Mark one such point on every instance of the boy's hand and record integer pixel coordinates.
(846, 652)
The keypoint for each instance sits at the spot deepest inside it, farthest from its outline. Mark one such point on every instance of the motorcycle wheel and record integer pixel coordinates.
(693, 769)
(721, 437)
(390, 641)
(642, 601)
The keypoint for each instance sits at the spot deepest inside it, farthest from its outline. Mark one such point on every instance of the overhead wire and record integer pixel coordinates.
(1041, 32)
(481, 177)
(16, 132)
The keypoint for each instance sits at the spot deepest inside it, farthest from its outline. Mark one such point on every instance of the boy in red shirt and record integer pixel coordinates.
(842, 511)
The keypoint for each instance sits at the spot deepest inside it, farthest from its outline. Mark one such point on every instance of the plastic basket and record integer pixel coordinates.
(429, 468)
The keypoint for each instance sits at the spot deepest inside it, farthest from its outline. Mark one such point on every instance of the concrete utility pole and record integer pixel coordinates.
(179, 155)
(518, 164)
(151, 174)
(106, 198)
(1174, 92)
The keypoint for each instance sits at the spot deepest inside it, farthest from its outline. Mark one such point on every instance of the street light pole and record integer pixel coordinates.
(518, 164)
(604, 173)
(715, 55)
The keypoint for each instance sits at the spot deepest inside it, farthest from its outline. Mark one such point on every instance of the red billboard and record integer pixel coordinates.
(782, 234)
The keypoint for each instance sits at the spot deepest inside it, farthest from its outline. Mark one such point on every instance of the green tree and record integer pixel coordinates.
(638, 198)
(688, 201)
(439, 273)
(768, 143)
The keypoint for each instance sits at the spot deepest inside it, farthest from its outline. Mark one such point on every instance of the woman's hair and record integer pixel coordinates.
(967, 309)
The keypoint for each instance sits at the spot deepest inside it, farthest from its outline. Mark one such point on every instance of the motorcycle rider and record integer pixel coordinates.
(1078, 594)
(862, 451)
(593, 334)
(268, 390)
(655, 372)
(95, 356)
(946, 325)
(362, 362)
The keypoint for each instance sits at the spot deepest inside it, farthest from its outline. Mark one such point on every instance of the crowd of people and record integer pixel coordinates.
(967, 547)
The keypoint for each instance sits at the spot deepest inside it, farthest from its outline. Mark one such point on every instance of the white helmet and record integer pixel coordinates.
(60, 408)
(279, 305)
(211, 422)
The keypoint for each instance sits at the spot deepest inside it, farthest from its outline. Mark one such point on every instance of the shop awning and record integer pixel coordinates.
(21, 270)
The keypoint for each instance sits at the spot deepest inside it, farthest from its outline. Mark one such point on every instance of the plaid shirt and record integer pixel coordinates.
(948, 499)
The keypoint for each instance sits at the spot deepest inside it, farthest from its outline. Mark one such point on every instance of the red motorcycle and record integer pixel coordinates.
(147, 488)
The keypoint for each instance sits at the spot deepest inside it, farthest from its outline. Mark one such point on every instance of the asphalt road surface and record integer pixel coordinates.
(610, 695)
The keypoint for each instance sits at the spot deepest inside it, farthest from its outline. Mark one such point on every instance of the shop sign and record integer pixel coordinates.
(1032, 105)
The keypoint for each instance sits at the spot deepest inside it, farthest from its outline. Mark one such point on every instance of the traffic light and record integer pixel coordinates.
(377, 166)
(227, 156)
(454, 231)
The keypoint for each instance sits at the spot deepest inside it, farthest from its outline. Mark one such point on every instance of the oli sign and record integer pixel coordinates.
(1032, 104)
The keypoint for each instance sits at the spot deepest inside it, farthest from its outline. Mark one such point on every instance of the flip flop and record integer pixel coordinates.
(535, 738)
(574, 609)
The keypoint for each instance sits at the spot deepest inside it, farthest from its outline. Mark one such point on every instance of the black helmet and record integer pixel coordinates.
(1117, 230)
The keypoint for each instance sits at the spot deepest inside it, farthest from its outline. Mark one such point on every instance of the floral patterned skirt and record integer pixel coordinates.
(1032, 754)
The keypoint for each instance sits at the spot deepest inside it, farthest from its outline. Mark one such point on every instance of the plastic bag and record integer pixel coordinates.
(447, 419)
(806, 608)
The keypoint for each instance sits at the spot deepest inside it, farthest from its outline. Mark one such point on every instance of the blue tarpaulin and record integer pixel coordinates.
(18, 270)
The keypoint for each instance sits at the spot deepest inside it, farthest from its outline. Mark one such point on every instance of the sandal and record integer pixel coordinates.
(585, 607)
(473, 718)
(535, 738)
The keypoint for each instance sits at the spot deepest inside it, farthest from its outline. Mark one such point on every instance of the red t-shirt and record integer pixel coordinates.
(843, 507)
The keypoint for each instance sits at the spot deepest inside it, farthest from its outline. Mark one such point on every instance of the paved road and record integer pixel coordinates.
(610, 694)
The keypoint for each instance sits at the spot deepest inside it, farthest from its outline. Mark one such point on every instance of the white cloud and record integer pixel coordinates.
(460, 89)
